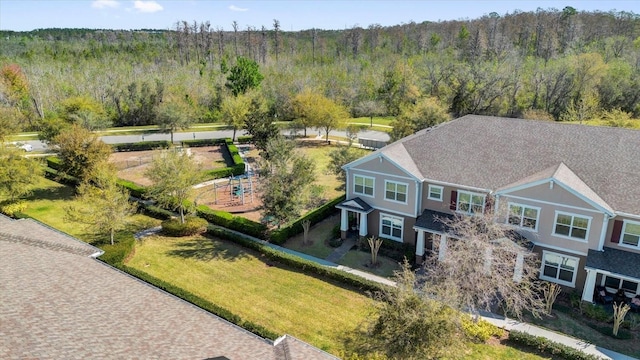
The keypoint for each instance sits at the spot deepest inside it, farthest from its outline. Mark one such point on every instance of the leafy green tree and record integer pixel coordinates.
(137, 104)
(80, 151)
(102, 204)
(425, 113)
(259, 124)
(303, 107)
(9, 123)
(84, 111)
(16, 174)
(398, 88)
(369, 108)
(314, 109)
(406, 325)
(173, 174)
(286, 178)
(234, 111)
(341, 156)
(243, 76)
(173, 116)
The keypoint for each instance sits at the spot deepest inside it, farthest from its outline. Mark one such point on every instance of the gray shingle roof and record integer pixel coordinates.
(615, 261)
(56, 302)
(493, 152)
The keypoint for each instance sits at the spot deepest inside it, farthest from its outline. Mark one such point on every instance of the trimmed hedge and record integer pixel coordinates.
(117, 253)
(59, 177)
(546, 346)
(192, 225)
(201, 303)
(281, 235)
(54, 162)
(156, 212)
(134, 189)
(203, 142)
(245, 139)
(142, 146)
(229, 221)
(307, 266)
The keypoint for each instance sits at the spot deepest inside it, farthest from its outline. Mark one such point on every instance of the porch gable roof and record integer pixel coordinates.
(615, 261)
(355, 204)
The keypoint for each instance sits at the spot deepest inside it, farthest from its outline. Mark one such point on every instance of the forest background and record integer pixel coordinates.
(549, 64)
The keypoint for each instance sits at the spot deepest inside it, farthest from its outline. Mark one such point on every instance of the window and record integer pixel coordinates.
(395, 191)
(391, 227)
(631, 234)
(559, 268)
(435, 192)
(626, 285)
(572, 226)
(363, 185)
(470, 203)
(524, 216)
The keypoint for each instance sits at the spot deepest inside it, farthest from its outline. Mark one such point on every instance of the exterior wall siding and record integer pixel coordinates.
(581, 274)
(608, 241)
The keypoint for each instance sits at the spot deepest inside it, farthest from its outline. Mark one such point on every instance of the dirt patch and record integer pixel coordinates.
(132, 165)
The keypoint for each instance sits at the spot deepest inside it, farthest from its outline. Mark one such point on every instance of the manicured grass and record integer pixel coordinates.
(47, 204)
(499, 351)
(361, 260)
(280, 299)
(320, 233)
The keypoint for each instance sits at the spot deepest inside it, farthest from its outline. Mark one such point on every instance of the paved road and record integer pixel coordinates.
(217, 134)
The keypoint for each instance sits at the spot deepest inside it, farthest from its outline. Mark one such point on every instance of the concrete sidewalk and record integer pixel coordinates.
(499, 321)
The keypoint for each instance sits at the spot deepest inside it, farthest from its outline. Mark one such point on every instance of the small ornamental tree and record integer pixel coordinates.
(619, 312)
(550, 291)
(173, 174)
(80, 151)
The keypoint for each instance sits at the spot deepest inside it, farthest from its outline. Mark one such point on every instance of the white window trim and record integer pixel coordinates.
(555, 222)
(524, 206)
(624, 226)
(484, 201)
(390, 236)
(406, 194)
(441, 188)
(620, 280)
(556, 280)
(373, 186)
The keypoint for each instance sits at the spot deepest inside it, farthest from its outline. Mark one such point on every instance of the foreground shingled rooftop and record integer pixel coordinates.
(58, 302)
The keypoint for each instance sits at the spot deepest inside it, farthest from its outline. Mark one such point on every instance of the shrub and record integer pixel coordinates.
(281, 235)
(11, 209)
(117, 253)
(608, 331)
(134, 189)
(54, 162)
(244, 139)
(546, 346)
(229, 221)
(142, 146)
(156, 212)
(307, 266)
(59, 177)
(203, 142)
(480, 330)
(335, 242)
(192, 225)
(596, 312)
(391, 249)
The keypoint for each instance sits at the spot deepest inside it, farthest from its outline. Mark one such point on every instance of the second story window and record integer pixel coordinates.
(524, 216)
(435, 192)
(571, 225)
(631, 234)
(363, 185)
(395, 191)
(470, 203)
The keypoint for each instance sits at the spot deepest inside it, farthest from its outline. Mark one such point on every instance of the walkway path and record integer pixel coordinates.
(499, 321)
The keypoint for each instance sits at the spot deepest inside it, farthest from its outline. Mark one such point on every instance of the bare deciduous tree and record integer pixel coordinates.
(619, 312)
(550, 291)
(374, 244)
(306, 224)
(483, 265)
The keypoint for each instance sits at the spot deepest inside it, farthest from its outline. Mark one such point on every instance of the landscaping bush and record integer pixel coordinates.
(391, 249)
(306, 266)
(117, 253)
(245, 139)
(134, 189)
(54, 162)
(156, 212)
(12, 208)
(229, 221)
(59, 177)
(596, 312)
(281, 235)
(335, 242)
(201, 303)
(203, 142)
(142, 146)
(608, 331)
(192, 225)
(545, 346)
(480, 330)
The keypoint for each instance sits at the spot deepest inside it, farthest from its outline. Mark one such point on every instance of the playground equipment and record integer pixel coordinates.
(238, 187)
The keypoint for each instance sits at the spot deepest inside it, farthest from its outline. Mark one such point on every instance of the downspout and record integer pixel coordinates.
(603, 232)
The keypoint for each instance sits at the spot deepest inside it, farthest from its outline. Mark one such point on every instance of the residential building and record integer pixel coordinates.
(57, 301)
(572, 190)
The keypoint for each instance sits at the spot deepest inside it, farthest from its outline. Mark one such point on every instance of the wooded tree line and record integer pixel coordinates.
(558, 64)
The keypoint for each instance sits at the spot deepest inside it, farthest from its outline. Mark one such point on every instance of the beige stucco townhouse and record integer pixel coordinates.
(572, 190)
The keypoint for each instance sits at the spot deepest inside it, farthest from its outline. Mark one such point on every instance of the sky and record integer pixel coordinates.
(293, 15)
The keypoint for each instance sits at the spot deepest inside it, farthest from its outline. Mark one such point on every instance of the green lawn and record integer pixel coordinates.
(280, 299)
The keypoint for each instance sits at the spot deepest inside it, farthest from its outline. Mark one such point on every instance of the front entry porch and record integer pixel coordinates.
(431, 230)
(354, 217)
(614, 272)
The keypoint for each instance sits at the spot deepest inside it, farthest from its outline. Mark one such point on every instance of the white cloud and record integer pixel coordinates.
(147, 6)
(103, 4)
(235, 8)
